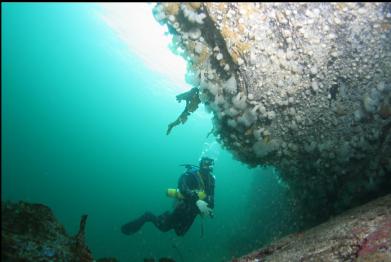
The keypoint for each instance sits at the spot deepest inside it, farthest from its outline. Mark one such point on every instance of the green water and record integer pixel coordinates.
(83, 131)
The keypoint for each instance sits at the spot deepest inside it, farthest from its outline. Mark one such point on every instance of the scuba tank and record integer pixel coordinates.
(175, 193)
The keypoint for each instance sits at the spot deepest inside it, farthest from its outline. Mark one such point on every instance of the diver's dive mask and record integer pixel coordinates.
(206, 164)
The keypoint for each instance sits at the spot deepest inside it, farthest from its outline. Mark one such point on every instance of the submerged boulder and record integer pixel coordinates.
(360, 234)
(30, 232)
(304, 87)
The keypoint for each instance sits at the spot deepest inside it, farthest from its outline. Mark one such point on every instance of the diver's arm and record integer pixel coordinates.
(185, 189)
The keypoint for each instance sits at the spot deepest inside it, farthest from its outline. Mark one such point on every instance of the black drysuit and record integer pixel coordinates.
(185, 211)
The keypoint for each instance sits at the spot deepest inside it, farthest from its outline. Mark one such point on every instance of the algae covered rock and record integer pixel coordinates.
(30, 232)
(360, 234)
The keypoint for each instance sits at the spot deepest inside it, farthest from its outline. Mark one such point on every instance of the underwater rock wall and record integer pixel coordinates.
(360, 234)
(305, 87)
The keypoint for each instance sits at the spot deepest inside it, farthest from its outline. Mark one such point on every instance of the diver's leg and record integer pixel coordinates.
(170, 220)
(135, 225)
(163, 222)
(184, 219)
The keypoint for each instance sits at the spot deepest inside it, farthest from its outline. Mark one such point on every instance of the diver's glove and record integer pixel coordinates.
(204, 209)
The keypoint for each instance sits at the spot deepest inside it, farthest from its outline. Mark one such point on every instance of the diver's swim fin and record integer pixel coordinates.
(135, 225)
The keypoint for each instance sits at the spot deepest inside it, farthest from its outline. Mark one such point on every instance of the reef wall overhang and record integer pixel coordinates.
(305, 87)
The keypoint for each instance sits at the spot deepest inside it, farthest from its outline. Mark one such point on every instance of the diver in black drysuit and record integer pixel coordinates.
(186, 210)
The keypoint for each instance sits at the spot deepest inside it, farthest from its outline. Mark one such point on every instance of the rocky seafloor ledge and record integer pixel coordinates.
(303, 87)
(360, 234)
(30, 232)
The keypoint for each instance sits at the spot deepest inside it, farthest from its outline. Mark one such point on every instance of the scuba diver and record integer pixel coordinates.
(195, 195)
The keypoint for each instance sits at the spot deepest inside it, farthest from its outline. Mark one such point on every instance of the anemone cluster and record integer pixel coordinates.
(305, 87)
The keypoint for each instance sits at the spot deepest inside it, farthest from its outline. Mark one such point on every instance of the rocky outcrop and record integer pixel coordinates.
(360, 234)
(304, 87)
(30, 232)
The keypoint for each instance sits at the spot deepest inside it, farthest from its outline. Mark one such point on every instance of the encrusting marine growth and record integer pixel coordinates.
(304, 87)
